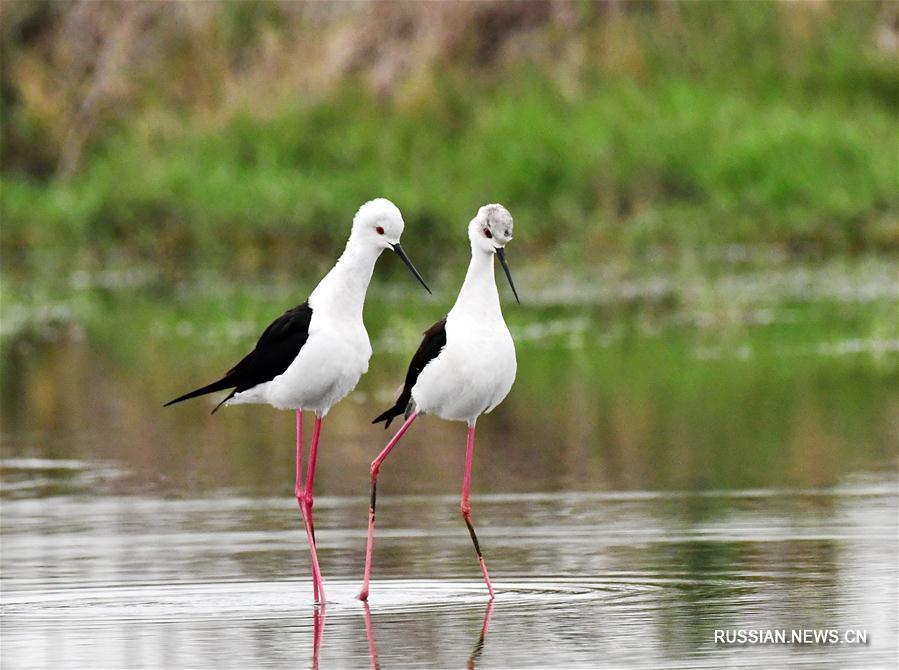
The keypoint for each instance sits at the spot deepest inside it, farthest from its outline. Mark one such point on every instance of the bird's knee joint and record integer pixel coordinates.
(308, 500)
(466, 510)
(373, 470)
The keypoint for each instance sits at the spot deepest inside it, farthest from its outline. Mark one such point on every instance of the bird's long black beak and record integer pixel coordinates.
(402, 254)
(502, 259)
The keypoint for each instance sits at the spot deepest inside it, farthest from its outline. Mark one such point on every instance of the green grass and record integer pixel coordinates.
(739, 123)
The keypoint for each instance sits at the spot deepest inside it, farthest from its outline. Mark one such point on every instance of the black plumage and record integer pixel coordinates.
(432, 344)
(276, 349)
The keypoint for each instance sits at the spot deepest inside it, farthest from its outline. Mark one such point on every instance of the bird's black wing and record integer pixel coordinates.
(276, 349)
(432, 344)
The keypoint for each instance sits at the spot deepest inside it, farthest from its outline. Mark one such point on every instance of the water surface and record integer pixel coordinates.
(582, 580)
(678, 456)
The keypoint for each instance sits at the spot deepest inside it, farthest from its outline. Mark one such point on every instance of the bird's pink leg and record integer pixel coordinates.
(375, 468)
(304, 497)
(313, 452)
(299, 484)
(306, 502)
(466, 507)
(300, 494)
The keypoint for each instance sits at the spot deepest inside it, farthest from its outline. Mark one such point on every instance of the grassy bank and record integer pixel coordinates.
(607, 134)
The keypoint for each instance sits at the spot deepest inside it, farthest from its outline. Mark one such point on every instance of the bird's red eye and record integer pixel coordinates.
(380, 230)
(487, 233)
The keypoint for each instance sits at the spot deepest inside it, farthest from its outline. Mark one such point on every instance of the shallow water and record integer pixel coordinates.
(675, 458)
(583, 580)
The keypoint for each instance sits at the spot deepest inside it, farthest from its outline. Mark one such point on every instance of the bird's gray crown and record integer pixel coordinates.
(498, 220)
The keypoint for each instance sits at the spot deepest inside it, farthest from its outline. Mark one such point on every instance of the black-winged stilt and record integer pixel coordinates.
(313, 355)
(464, 367)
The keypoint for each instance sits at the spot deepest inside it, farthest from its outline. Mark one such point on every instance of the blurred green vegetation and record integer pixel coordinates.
(241, 137)
(773, 391)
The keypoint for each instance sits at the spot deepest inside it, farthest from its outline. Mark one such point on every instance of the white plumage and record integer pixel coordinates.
(476, 368)
(337, 351)
(464, 366)
(313, 355)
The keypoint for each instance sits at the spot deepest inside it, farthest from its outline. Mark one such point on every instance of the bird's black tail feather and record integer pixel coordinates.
(388, 416)
(220, 385)
(397, 410)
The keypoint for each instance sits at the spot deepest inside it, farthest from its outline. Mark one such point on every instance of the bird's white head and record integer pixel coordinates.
(378, 222)
(491, 229)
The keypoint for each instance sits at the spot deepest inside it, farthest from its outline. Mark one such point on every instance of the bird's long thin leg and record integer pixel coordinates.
(300, 494)
(299, 484)
(466, 507)
(310, 471)
(306, 502)
(375, 468)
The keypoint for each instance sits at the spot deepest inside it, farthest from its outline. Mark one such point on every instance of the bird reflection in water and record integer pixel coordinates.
(318, 630)
(372, 652)
(472, 658)
(479, 645)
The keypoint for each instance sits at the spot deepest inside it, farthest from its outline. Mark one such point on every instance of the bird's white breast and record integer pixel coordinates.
(472, 374)
(328, 367)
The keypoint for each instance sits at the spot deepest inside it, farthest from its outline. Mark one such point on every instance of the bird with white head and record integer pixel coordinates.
(313, 355)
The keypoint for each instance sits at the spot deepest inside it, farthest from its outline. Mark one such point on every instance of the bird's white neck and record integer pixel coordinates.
(478, 298)
(341, 293)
